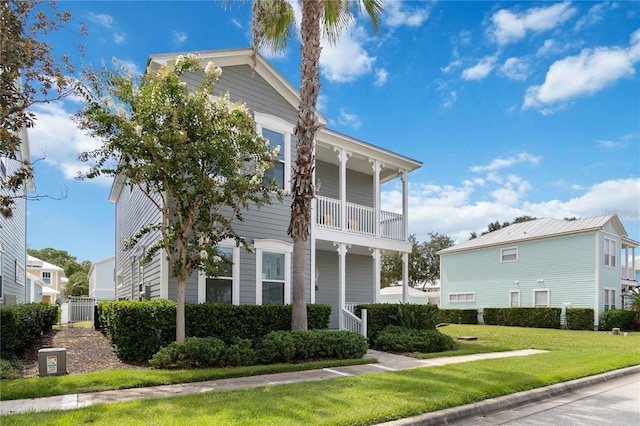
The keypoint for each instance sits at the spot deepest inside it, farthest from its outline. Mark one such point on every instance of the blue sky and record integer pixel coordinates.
(515, 108)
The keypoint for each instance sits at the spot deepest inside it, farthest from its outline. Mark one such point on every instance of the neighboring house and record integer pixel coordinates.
(393, 294)
(349, 231)
(34, 289)
(102, 283)
(52, 277)
(544, 262)
(432, 288)
(13, 231)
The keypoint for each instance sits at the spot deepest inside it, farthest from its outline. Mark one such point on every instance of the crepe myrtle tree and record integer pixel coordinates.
(197, 158)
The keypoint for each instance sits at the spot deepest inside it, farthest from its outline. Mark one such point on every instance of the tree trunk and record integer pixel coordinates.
(180, 320)
(302, 180)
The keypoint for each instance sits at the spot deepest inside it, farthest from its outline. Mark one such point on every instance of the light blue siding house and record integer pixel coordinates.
(102, 283)
(13, 231)
(587, 263)
(349, 229)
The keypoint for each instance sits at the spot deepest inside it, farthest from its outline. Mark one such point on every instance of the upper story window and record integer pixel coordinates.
(509, 254)
(278, 132)
(609, 252)
(46, 277)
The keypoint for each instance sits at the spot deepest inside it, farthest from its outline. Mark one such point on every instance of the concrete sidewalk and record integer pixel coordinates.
(386, 362)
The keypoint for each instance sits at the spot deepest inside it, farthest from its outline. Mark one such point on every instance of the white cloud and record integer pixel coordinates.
(468, 207)
(515, 69)
(348, 119)
(584, 74)
(450, 99)
(236, 23)
(347, 59)
(510, 27)
(101, 19)
(119, 38)
(595, 15)
(381, 77)
(179, 37)
(397, 14)
(501, 163)
(480, 70)
(57, 138)
(452, 65)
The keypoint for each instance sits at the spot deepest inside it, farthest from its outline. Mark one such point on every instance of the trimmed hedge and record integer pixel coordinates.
(139, 329)
(381, 315)
(401, 339)
(286, 346)
(579, 319)
(617, 318)
(21, 325)
(459, 316)
(523, 317)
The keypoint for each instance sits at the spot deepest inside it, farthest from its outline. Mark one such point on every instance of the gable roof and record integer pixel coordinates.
(35, 263)
(540, 229)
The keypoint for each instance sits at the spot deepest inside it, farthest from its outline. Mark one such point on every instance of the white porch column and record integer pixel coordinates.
(343, 156)
(342, 278)
(376, 274)
(314, 277)
(376, 195)
(405, 203)
(405, 277)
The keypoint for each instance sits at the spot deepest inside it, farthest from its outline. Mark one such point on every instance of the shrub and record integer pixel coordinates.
(285, 346)
(193, 352)
(401, 339)
(21, 325)
(579, 319)
(277, 346)
(458, 316)
(617, 318)
(523, 317)
(417, 317)
(240, 352)
(380, 315)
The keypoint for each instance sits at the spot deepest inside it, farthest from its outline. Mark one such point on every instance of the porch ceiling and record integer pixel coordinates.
(357, 162)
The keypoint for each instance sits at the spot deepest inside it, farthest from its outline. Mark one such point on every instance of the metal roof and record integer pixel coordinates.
(537, 229)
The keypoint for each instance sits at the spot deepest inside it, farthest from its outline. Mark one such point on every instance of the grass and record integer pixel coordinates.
(379, 397)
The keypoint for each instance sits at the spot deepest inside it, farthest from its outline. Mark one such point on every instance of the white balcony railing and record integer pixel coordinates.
(627, 274)
(359, 219)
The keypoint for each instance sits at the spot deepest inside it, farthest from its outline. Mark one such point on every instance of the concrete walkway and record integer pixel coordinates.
(386, 362)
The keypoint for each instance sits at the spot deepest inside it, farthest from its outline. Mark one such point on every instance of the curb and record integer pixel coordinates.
(506, 402)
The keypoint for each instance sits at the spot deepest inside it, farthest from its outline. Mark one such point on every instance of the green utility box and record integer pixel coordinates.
(52, 362)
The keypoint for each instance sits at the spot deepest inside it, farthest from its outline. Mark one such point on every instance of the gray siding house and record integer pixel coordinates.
(349, 229)
(587, 263)
(13, 232)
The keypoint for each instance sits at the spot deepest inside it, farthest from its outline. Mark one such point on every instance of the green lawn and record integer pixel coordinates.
(374, 398)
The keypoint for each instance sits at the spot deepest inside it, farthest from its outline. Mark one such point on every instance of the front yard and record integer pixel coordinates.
(374, 398)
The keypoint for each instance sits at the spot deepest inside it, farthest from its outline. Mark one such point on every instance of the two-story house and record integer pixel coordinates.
(349, 231)
(13, 230)
(543, 262)
(52, 278)
(102, 283)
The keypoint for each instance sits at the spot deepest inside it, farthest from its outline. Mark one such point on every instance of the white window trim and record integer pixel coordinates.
(462, 301)
(235, 271)
(50, 283)
(281, 126)
(20, 273)
(608, 290)
(273, 246)
(519, 299)
(607, 249)
(502, 250)
(546, 290)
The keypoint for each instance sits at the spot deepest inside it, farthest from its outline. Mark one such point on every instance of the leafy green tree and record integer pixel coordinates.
(197, 159)
(272, 25)
(494, 226)
(29, 74)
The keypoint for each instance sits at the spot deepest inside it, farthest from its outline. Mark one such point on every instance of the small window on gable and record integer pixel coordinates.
(509, 254)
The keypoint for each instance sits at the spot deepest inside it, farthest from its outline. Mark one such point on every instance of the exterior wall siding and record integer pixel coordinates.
(359, 188)
(609, 275)
(13, 242)
(565, 264)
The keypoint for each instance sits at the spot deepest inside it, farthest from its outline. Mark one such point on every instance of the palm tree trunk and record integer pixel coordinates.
(302, 182)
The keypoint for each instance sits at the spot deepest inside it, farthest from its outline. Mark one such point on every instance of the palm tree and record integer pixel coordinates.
(272, 25)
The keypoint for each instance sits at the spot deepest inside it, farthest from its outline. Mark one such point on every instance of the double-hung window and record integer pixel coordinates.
(278, 132)
(46, 277)
(514, 298)
(225, 288)
(609, 252)
(273, 272)
(609, 299)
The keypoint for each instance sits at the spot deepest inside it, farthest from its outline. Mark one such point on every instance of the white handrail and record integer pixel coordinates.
(353, 323)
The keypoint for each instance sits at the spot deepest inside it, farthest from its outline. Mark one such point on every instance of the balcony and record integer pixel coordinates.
(359, 219)
(627, 273)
